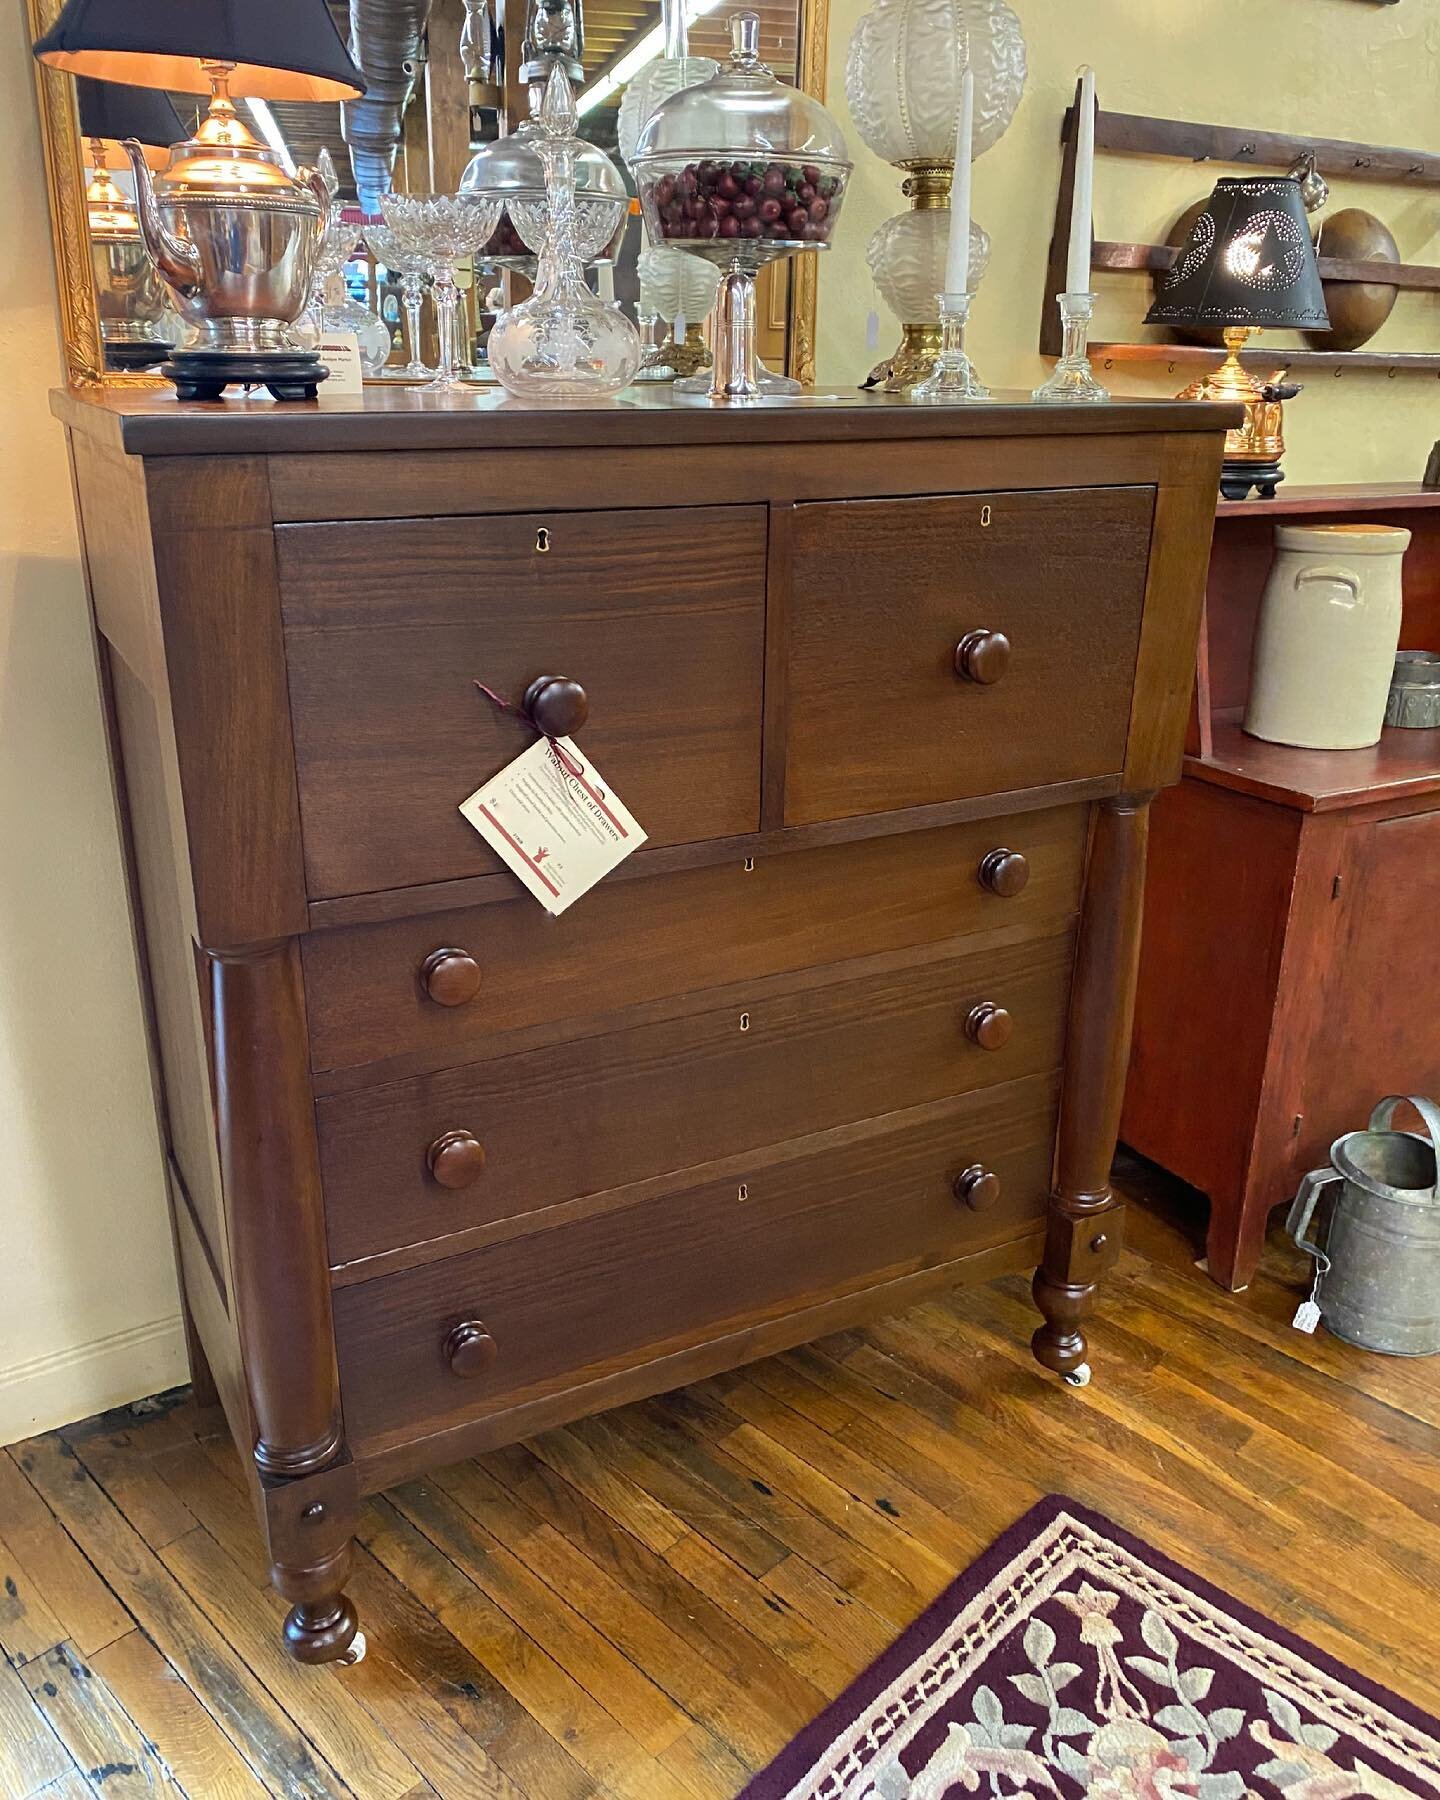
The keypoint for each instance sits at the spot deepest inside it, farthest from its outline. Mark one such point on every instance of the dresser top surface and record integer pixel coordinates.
(152, 422)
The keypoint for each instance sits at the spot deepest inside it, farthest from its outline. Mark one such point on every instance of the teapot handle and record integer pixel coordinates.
(1302, 1208)
(1384, 1113)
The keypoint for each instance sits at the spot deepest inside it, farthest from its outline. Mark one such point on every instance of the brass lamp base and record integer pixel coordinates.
(1253, 450)
(913, 359)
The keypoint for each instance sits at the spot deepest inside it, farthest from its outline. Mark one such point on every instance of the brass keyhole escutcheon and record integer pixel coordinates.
(986, 515)
(743, 1191)
(542, 540)
(749, 865)
(745, 1021)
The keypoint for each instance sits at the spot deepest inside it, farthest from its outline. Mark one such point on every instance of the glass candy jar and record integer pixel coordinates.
(740, 170)
(510, 170)
(562, 343)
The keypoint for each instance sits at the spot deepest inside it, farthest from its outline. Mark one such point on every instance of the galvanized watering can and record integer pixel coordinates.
(1377, 1279)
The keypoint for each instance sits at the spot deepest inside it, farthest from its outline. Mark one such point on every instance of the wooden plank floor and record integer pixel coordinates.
(651, 1603)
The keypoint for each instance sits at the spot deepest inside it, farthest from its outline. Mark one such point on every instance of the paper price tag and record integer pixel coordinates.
(1307, 1316)
(552, 819)
(340, 353)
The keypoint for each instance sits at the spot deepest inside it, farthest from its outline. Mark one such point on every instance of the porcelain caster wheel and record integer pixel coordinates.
(1078, 1377)
(356, 1652)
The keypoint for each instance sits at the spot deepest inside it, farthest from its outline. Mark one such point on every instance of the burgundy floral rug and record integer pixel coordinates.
(1072, 1660)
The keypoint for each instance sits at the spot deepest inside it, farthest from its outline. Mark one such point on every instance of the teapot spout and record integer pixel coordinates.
(175, 257)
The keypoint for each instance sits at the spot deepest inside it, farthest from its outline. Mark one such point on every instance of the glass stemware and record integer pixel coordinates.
(446, 228)
(562, 343)
(404, 258)
(322, 314)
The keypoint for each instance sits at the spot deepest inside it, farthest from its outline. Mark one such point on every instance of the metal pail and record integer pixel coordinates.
(1379, 1283)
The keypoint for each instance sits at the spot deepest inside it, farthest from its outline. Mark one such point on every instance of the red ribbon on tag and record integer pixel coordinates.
(566, 762)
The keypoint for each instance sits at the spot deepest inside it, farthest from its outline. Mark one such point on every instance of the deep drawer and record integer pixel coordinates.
(633, 941)
(1045, 590)
(808, 1221)
(388, 627)
(524, 1132)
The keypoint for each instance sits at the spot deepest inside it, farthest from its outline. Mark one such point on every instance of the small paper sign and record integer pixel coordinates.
(1307, 1316)
(340, 353)
(554, 822)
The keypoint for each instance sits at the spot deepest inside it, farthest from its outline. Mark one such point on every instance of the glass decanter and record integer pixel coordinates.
(740, 170)
(562, 343)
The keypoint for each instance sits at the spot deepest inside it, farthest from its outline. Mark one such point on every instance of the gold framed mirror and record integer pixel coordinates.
(438, 132)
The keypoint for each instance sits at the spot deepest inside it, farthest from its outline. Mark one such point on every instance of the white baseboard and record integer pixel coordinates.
(69, 1385)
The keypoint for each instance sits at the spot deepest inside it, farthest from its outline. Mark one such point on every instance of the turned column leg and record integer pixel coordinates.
(1083, 1230)
(271, 1172)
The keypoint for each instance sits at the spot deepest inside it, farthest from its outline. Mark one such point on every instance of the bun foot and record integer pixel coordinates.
(1078, 1377)
(321, 1631)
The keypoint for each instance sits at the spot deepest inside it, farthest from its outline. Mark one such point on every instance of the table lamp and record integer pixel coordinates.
(1249, 265)
(130, 297)
(231, 229)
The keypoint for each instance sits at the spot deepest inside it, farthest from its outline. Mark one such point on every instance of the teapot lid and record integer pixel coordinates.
(742, 110)
(224, 158)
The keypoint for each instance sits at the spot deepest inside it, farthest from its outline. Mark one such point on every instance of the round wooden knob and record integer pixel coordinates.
(450, 977)
(470, 1350)
(982, 656)
(989, 1026)
(978, 1187)
(1004, 872)
(556, 705)
(456, 1159)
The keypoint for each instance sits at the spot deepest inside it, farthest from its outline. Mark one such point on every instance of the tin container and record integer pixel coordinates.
(1414, 698)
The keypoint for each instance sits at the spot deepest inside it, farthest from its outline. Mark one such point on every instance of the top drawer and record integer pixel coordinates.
(660, 616)
(1047, 588)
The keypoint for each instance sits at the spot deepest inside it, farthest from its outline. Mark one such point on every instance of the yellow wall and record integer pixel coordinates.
(1337, 68)
(88, 1309)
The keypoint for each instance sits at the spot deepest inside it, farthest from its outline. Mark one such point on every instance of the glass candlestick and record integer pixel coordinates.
(1073, 382)
(953, 378)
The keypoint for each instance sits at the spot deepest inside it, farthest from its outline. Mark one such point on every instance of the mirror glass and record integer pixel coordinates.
(415, 131)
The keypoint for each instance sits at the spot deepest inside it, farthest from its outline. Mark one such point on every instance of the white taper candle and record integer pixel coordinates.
(1082, 205)
(957, 255)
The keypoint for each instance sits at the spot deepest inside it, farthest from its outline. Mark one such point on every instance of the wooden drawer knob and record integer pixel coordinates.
(450, 977)
(556, 705)
(982, 656)
(470, 1350)
(978, 1187)
(456, 1159)
(1004, 872)
(989, 1026)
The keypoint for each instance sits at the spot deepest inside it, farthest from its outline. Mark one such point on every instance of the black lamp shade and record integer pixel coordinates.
(1248, 261)
(281, 49)
(112, 111)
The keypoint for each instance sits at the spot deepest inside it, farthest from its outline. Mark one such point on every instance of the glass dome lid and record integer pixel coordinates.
(510, 165)
(743, 111)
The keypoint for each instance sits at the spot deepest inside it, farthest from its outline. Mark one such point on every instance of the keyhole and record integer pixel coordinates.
(749, 865)
(743, 1191)
(745, 1021)
(985, 515)
(542, 540)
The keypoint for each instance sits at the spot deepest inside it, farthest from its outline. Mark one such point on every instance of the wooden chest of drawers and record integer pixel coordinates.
(889, 689)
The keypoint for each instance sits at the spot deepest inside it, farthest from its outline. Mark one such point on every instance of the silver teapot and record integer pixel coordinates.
(233, 234)
(129, 294)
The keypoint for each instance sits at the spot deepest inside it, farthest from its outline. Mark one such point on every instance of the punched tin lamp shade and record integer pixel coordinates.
(279, 49)
(1249, 262)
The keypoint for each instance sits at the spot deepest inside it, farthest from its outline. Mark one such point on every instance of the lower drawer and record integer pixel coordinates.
(524, 1132)
(454, 1341)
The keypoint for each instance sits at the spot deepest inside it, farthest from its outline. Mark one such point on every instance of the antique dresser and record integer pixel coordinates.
(889, 689)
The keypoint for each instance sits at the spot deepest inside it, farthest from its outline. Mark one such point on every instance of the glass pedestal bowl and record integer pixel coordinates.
(740, 170)
(510, 170)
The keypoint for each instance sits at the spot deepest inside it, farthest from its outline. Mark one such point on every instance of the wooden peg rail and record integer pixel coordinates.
(1139, 134)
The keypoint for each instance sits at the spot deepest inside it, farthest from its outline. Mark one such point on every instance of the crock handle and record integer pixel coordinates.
(1328, 572)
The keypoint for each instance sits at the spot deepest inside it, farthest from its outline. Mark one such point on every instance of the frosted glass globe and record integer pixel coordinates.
(904, 68)
(672, 283)
(657, 81)
(907, 261)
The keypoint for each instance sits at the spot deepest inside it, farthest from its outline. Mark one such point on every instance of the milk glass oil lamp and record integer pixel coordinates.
(233, 232)
(130, 298)
(740, 170)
